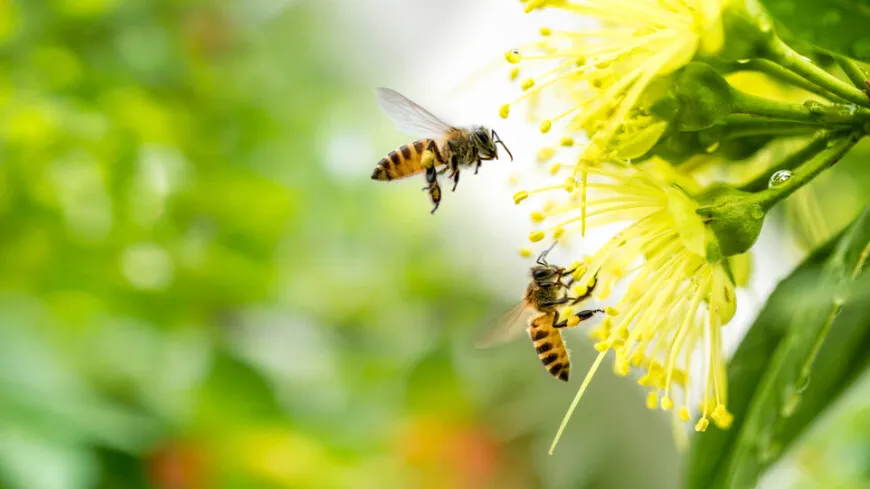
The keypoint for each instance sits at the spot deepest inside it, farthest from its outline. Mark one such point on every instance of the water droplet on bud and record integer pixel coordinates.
(778, 178)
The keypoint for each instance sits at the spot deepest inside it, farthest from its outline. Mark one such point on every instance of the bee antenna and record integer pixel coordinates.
(499, 141)
(542, 258)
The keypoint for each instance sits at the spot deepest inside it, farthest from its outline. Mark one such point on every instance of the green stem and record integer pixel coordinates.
(809, 112)
(780, 53)
(853, 71)
(774, 128)
(778, 72)
(792, 161)
(807, 172)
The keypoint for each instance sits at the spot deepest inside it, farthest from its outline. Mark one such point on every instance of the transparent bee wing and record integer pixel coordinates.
(409, 117)
(506, 327)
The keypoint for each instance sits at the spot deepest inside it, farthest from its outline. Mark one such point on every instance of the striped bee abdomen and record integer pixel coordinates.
(549, 346)
(406, 161)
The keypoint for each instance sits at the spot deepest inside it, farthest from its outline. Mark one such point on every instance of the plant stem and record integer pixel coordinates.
(780, 53)
(807, 171)
(813, 146)
(810, 112)
(778, 72)
(852, 70)
(768, 128)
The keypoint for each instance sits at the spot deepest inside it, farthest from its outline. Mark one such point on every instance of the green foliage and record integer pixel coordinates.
(797, 358)
(840, 26)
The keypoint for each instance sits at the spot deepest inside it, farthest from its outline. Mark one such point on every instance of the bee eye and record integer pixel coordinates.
(540, 274)
(481, 135)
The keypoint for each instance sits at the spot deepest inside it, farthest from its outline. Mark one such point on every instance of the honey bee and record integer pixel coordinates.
(544, 295)
(451, 148)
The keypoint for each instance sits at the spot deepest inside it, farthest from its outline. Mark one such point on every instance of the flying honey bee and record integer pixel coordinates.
(544, 295)
(451, 148)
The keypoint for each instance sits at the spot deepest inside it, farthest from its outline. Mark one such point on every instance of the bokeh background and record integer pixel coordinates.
(200, 287)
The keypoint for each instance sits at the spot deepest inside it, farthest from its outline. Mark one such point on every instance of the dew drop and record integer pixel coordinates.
(778, 178)
(743, 61)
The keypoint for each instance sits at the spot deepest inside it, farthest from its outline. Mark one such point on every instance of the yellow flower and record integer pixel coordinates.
(605, 71)
(675, 302)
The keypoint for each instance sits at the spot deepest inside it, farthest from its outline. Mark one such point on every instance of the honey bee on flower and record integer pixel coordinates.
(676, 301)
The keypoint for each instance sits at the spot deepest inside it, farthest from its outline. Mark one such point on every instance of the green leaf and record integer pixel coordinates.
(837, 25)
(789, 369)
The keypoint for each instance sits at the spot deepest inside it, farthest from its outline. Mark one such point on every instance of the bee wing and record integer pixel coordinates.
(506, 327)
(410, 117)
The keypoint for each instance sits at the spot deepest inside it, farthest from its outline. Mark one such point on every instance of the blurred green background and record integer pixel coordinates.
(194, 295)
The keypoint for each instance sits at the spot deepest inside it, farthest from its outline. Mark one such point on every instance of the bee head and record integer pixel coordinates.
(543, 273)
(483, 141)
(486, 141)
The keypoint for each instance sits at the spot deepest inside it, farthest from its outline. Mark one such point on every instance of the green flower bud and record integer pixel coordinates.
(703, 97)
(734, 218)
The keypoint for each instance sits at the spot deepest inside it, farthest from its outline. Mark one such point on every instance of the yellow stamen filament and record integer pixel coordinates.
(577, 398)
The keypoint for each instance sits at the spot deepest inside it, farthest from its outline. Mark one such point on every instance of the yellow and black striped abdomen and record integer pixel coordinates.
(550, 347)
(405, 161)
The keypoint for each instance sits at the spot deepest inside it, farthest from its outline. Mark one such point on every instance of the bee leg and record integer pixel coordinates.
(563, 300)
(477, 166)
(455, 180)
(433, 188)
(582, 315)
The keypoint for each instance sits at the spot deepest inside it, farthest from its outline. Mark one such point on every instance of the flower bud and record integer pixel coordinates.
(703, 97)
(734, 218)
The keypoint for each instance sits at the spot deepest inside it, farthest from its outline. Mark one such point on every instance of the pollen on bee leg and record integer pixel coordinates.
(520, 196)
(427, 159)
(580, 290)
(573, 321)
